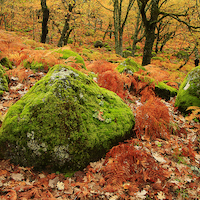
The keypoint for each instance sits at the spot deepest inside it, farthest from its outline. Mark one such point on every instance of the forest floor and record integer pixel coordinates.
(165, 169)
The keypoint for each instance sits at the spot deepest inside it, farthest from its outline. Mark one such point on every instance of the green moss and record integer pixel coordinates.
(129, 66)
(34, 65)
(67, 53)
(70, 41)
(189, 91)
(127, 53)
(165, 91)
(182, 55)
(6, 63)
(158, 58)
(54, 123)
(3, 81)
(153, 54)
(39, 48)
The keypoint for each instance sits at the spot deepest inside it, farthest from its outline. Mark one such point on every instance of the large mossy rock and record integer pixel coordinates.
(189, 91)
(3, 81)
(161, 89)
(64, 122)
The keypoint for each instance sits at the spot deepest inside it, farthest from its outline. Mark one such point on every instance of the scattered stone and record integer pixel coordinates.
(98, 43)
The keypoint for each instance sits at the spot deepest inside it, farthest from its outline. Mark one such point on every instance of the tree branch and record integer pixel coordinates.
(105, 7)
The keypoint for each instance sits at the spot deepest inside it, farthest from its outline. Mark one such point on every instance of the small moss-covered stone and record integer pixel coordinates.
(39, 48)
(189, 91)
(3, 81)
(182, 55)
(34, 65)
(129, 66)
(67, 53)
(64, 122)
(6, 63)
(98, 43)
(127, 53)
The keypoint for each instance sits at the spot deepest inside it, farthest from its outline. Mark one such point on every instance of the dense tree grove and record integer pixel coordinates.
(153, 22)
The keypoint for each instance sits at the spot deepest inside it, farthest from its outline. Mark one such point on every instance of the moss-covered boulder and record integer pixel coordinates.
(189, 91)
(65, 54)
(98, 44)
(3, 81)
(35, 66)
(64, 122)
(165, 91)
(129, 66)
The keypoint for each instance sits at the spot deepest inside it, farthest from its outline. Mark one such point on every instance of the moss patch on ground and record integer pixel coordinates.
(64, 122)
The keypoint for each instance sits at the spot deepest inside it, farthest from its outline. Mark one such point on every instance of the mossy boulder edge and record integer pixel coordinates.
(129, 66)
(3, 81)
(64, 122)
(65, 54)
(189, 91)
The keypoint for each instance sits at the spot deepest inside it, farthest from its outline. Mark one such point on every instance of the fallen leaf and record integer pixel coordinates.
(17, 176)
(60, 185)
(53, 182)
(158, 157)
(161, 195)
(142, 194)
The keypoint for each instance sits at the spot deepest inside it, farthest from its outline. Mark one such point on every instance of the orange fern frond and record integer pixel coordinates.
(153, 119)
(125, 164)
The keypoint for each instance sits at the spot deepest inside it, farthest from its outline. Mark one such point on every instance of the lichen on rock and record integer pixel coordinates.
(189, 91)
(65, 121)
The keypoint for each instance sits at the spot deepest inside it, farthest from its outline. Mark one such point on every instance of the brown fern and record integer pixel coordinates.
(127, 167)
(153, 119)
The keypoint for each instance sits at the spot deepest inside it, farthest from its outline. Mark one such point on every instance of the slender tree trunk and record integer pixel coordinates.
(138, 28)
(119, 23)
(45, 11)
(150, 26)
(64, 31)
(66, 28)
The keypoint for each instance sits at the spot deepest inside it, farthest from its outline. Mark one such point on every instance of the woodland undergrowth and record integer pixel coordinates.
(127, 168)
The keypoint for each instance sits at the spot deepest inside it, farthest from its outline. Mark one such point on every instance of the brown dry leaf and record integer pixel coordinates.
(7, 103)
(161, 195)
(17, 176)
(3, 172)
(12, 195)
(100, 118)
(142, 194)
(53, 182)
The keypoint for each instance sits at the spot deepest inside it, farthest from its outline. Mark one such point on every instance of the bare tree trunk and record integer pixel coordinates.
(119, 23)
(138, 28)
(150, 26)
(66, 29)
(45, 11)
